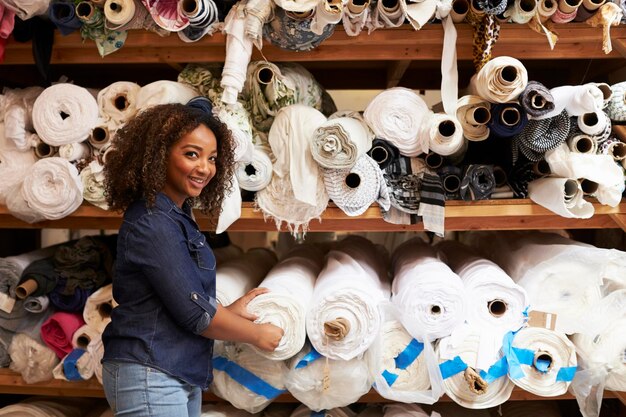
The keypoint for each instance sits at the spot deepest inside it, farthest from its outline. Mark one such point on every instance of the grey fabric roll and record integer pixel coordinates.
(536, 99)
(540, 136)
(478, 182)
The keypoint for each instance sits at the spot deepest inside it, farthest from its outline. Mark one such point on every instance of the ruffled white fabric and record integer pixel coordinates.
(430, 297)
(237, 118)
(291, 284)
(118, 101)
(64, 113)
(576, 100)
(97, 311)
(344, 316)
(338, 143)
(500, 80)
(14, 165)
(239, 275)
(18, 122)
(32, 359)
(164, 92)
(256, 174)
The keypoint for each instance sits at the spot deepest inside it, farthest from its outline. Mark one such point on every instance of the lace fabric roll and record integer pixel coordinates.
(507, 120)
(541, 136)
(14, 165)
(356, 188)
(397, 115)
(616, 108)
(244, 378)
(474, 113)
(536, 99)
(575, 100)
(239, 275)
(164, 92)
(64, 113)
(31, 358)
(444, 134)
(478, 182)
(324, 384)
(428, 294)
(256, 174)
(292, 30)
(545, 361)
(118, 101)
(291, 283)
(500, 80)
(338, 143)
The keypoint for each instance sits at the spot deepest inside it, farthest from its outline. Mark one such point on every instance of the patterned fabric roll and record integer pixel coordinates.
(478, 182)
(617, 105)
(292, 32)
(540, 136)
(536, 99)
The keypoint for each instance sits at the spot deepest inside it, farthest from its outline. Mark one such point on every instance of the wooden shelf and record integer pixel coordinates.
(479, 215)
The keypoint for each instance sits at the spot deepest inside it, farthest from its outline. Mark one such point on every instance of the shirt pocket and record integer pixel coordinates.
(201, 253)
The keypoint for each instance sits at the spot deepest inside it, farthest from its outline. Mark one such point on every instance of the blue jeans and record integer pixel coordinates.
(135, 390)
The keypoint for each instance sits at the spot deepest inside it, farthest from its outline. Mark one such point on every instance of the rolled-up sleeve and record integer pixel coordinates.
(160, 250)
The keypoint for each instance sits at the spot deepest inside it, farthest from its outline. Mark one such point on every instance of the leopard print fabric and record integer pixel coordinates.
(486, 33)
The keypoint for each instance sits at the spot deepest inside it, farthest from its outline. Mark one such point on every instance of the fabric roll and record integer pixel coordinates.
(354, 189)
(344, 317)
(451, 181)
(594, 124)
(51, 407)
(57, 331)
(386, 15)
(541, 361)
(324, 384)
(308, 91)
(75, 151)
(474, 114)
(101, 135)
(327, 12)
(562, 196)
(396, 115)
(238, 53)
(167, 15)
(291, 283)
(522, 11)
(428, 294)
(338, 143)
(237, 118)
(75, 366)
(203, 16)
(383, 152)
(118, 101)
(477, 183)
(256, 174)
(467, 381)
(119, 13)
(97, 311)
(501, 80)
(507, 120)
(163, 92)
(536, 99)
(614, 148)
(258, 13)
(582, 144)
(14, 165)
(64, 113)
(43, 150)
(32, 359)
(18, 123)
(356, 15)
(616, 108)
(290, 30)
(299, 6)
(244, 378)
(92, 177)
(419, 13)
(224, 409)
(540, 136)
(444, 134)
(36, 304)
(84, 336)
(63, 15)
(575, 100)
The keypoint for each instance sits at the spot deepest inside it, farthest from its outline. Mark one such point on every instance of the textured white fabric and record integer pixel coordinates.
(164, 92)
(562, 196)
(576, 100)
(14, 165)
(350, 288)
(239, 275)
(64, 113)
(18, 122)
(92, 177)
(500, 80)
(75, 151)
(32, 359)
(473, 130)
(340, 142)
(430, 297)
(397, 115)
(238, 53)
(118, 101)
(355, 17)
(291, 283)
(256, 174)
(97, 311)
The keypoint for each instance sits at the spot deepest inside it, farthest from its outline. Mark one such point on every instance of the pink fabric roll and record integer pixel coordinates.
(57, 331)
(7, 21)
(560, 17)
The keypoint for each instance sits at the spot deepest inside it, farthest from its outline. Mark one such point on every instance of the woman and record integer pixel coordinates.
(158, 347)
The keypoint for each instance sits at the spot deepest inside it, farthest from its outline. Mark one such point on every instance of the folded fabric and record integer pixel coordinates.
(57, 331)
(536, 99)
(71, 301)
(540, 136)
(31, 358)
(290, 283)
(118, 101)
(241, 274)
(339, 142)
(163, 92)
(473, 112)
(500, 80)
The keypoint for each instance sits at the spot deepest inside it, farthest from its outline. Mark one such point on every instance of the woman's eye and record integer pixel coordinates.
(192, 154)
(213, 158)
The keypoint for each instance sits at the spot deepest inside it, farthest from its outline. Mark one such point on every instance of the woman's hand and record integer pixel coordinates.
(268, 336)
(240, 306)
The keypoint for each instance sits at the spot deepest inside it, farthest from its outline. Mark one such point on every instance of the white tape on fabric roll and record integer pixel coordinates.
(397, 115)
(14, 165)
(256, 174)
(322, 384)
(304, 411)
(246, 379)
(474, 112)
(118, 101)
(546, 361)
(562, 196)
(344, 315)
(500, 80)
(560, 275)
(64, 113)
(576, 100)
(98, 307)
(467, 381)
(237, 276)
(164, 92)
(430, 297)
(291, 283)
(338, 143)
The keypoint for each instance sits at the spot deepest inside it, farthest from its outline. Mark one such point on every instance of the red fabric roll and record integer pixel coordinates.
(57, 331)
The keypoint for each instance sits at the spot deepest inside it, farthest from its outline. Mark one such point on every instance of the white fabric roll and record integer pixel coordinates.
(405, 410)
(500, 80)
(468, 388)
(562, 196)
(238, 276)
(576, 100)
(75, 151)
(84, 336)
(304, 411)
(324, 384)
(164, 92)
(291, 283)
(96, 350)
(32, 359)
(14, 165)
(593, 123)
(19, 208)
(582, 143)
(237, 118)
(17, 114)
(92, 177)
(344, 316)
(430, 297)
(84, 366)
(557, 351)
(444, 134)
(118, 101)
(597, 168)
(256, 174)
(340, 142)
(231, 207)
(97, 311)
(327, 12)
(223, 409)
(64, 113)
(397, 115)
(296, 5)
(473, 130)
(238, 54)
(48, 407)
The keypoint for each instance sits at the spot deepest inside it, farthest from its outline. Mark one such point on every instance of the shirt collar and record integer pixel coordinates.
(163, 202)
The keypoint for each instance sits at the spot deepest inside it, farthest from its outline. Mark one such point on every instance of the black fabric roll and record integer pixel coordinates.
(533, 93)
(451, 181)
(63, 14)
(497, 125)
(540, 136)
(478, 182)
(383, 152)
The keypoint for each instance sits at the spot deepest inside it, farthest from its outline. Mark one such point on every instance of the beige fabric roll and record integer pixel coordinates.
(500, 80)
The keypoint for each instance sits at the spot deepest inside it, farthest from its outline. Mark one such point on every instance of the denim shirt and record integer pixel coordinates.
(165, 286)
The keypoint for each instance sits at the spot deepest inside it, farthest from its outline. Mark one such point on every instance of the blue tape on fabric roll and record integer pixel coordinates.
(318, 413)
(495, 371)
(308, 358)
(515, 367)
(69, 365)
(389, 377)
(542, 365)
(452, 367)
(409, 354)
(566, 374)
(246, 378)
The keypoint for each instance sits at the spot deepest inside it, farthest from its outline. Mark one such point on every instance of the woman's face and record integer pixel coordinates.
(191, 165)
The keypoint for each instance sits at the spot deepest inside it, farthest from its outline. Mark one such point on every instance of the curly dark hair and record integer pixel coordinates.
(137, 165)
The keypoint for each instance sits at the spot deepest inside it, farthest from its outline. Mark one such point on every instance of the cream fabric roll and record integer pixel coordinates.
(582, 143)
(32, 359)
(397, 115)
(562, 196)
(474, 130)
(14, 165)
(522, 11)
(92, 177)
(256, 174)
(593, 123)
(552, 352)
(338, 143)
(291, 283)
(64, 113)
(119, 12)
(344, 315)
(239, 275)
(430, 297)
(406, 410)
(444, 134)
(419, 13)
(238, 53)
(386, 15)
(75, 151)
(96, 350)
(97, 311)
(327, 12)
(500, 80)
(118, 101)
(164, 92)
(324, 384)
(53, 188)
(228, 358)
(84, 336)
(576, 100)
(304, 411)
(231, 207)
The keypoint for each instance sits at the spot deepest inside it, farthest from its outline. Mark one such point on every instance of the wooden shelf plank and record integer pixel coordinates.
(483, 215)
(576, 40)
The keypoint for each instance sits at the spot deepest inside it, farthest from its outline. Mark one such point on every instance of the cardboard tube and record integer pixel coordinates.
(189, 7)
(265, 75)
(588, 122)
(99, 137)
(337, 329)
(460, 8)
(582, 144)
(510, 116)
(446, 129)
(500, 176)
(617, 150)
(479, 115)
(570, 190)
(105, 309)
(569, 6)
(475, 8)
(508, 74)
(433, 160)
(589, 187)
(451, 183)
(300, 15)
(607, 93)
(475, 383)
(357, 6)
(542, 168)
(543, 358)
(353, 180)
(379, 154)
(435, 309)
(83, 341)
(497, 308)
(537, 101)
(43, 150)
(26, 288)
(84, 10)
